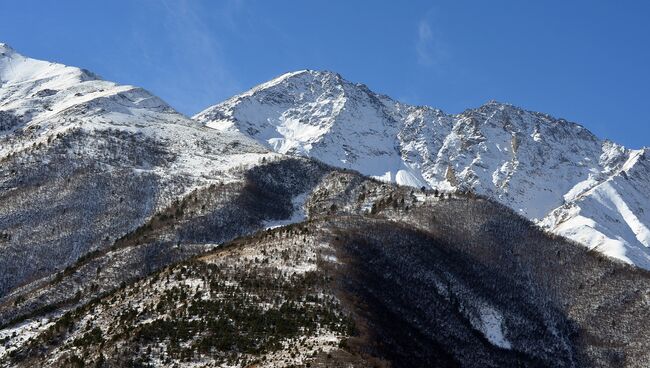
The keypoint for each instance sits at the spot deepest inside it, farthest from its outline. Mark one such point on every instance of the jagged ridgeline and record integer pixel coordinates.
(550, 170)
(131, 235)
(378, 276)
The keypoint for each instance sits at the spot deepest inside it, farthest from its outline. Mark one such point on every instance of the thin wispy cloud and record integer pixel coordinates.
(429, 47)
(188, 55)
(200, 57)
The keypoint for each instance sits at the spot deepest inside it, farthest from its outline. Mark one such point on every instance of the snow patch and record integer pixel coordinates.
(492, 327)
(298, 214)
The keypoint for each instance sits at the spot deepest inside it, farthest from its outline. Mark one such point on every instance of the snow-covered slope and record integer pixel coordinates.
(84, 161)
(613, 217)
(40, 99)
(547, 169)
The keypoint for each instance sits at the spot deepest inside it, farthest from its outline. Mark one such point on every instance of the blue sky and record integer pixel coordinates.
(586, 61)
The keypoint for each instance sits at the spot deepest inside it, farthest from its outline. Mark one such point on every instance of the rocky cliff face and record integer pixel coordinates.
(550, 170)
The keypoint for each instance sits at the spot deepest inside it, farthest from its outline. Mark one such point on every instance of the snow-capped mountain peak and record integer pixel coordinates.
(536, 164)
(6, 50)
(40, 99)
(16, 68)
(62, 125)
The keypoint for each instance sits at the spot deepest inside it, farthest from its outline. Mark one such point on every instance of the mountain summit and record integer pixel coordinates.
(549, 170)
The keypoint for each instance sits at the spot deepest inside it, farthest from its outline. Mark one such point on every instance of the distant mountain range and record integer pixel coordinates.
(310, 222)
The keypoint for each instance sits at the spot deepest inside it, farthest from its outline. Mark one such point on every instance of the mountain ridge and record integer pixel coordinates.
(530, 161)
